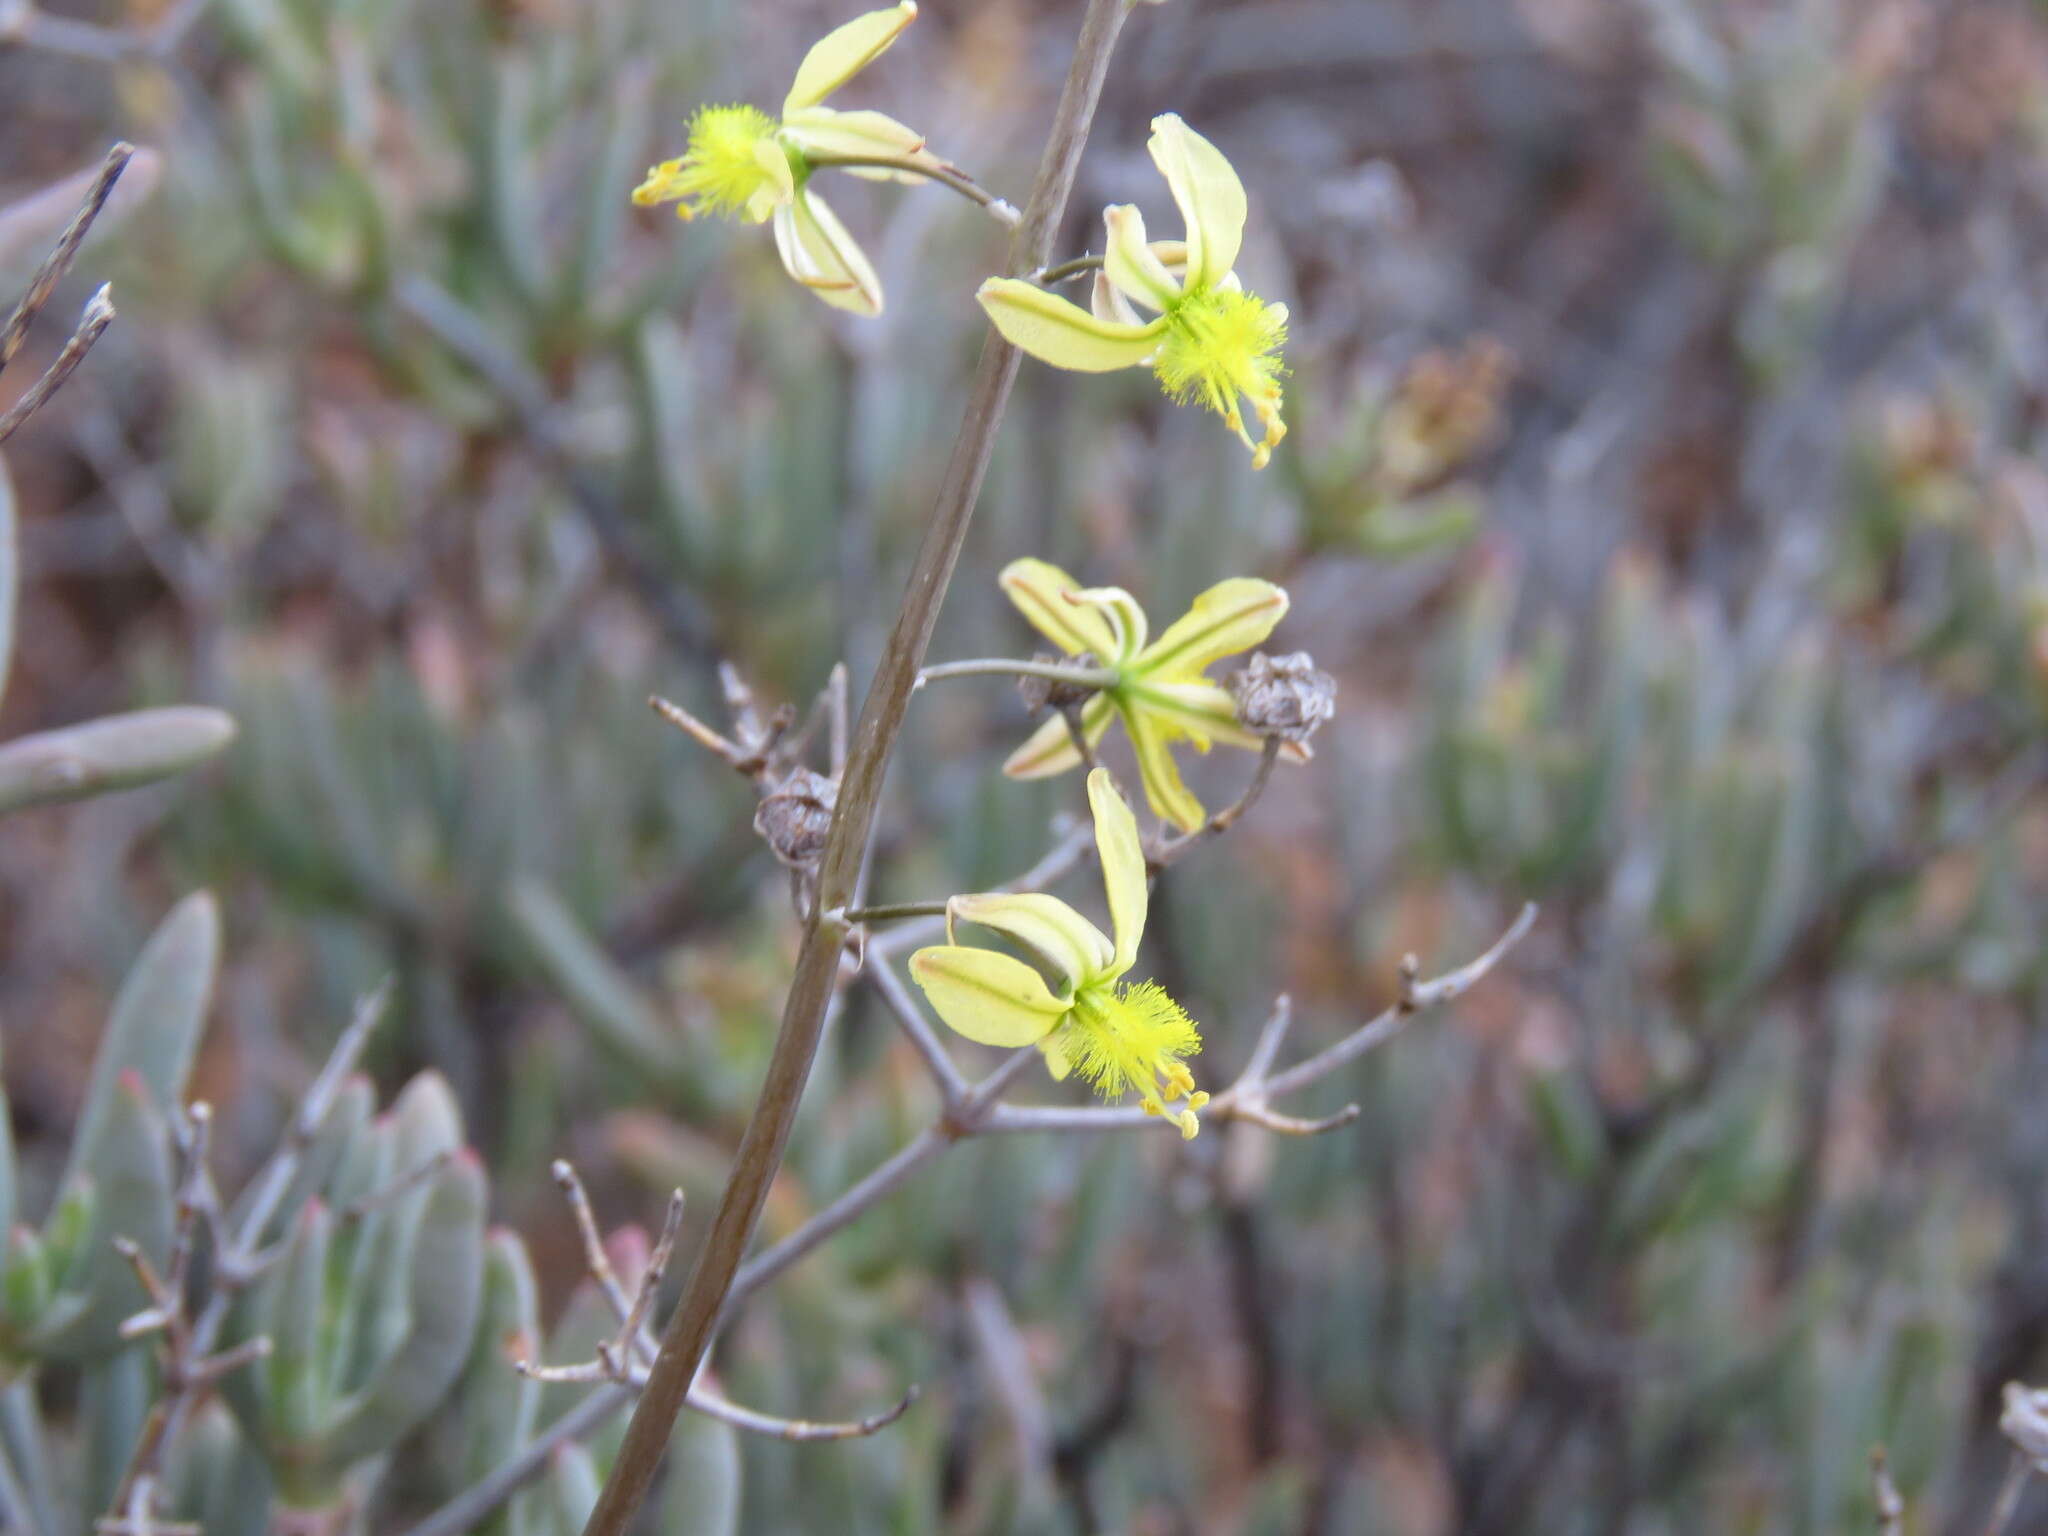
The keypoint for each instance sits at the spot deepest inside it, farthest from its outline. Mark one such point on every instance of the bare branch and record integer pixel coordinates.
(2009, 1492)
(1414, 998)
(632, 1326)
(473, 1505)
(765, 1266)
(98, 315)
(624, 1359)
(1008, 1363)
(189, 1368)
(58, 262)
(711, 1405)
(1226, 818)
(695, 729)
(1256, 1113)
(918, 1030)
(595, 1259)
(977, 1110)
(1271, 1036)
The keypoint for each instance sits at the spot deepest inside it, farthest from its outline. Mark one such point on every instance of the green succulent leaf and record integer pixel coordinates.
(101, 756)
(603, 997)
(703, 1491)
(156, 1022)
(131, 1174)
(494, 1409)
(217, 1479)
(114, 1397)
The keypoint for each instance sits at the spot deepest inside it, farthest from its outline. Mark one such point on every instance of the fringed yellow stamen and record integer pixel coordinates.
(727, 168)
(1223, 344)
(1131, 1040)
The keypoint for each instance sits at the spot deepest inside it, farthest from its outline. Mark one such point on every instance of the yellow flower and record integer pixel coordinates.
(1119, 1037)
(741, 162)
(1160, 693)
(1209, 341)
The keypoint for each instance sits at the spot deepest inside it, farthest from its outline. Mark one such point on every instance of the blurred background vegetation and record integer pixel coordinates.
(1669, 385)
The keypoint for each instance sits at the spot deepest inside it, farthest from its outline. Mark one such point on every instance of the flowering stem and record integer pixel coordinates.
(890, 911)
(1052, 671)
(816, 977)
(945, 176)
(1047, 277)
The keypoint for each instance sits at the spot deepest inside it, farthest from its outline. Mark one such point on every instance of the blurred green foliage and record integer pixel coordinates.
(1664, 492)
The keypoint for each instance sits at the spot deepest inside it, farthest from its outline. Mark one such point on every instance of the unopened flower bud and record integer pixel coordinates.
(2025, 1422)
(1284, 696)
(794, 817)
(1043, 693)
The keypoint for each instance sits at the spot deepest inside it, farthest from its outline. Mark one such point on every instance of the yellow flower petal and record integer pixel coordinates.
(1197, 709)
(1204, 713)
(1129, 261)
(1050, 749)
(988, 997)
(818, 252)
(1040, 590)
(779, 186)
(1173, 255)
(1126, 620)
(1063, 334)
(1210, 196)
(1062, 937)
(1123, 866)
(844, 52)
(1230, 617)
(1170, 798)
(1057, 1061)
(1106, 302)
(820, 132)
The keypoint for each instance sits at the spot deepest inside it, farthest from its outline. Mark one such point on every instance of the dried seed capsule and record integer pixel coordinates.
(795, 815)
(1043, 693)
(1284, 696)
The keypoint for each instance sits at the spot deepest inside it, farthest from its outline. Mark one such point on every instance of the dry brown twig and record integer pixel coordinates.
(623, 1359)
(967, 1108)
(187, 1368)
(99, 310)
(189, 1365)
